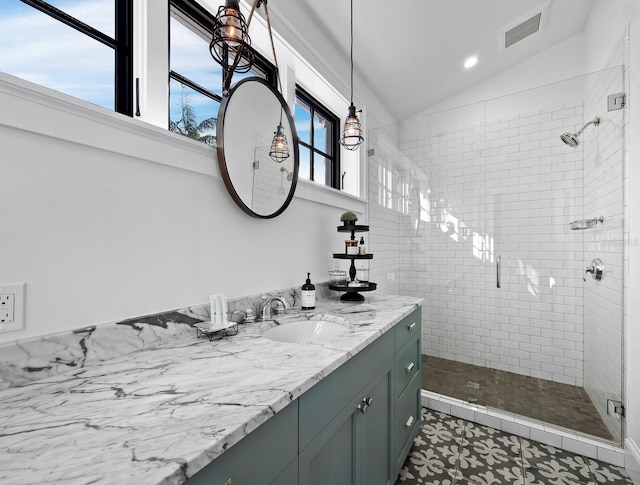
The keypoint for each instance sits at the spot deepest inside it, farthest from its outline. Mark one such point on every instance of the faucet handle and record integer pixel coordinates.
(280, 307)
(596, 268)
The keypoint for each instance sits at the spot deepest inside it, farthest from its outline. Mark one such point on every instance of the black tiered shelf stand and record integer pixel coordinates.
(352, 293)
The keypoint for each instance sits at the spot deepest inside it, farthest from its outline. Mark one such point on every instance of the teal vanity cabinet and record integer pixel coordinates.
(354, 427)
(407, 383)
(345, 432)
(263, 457)
(366, 440)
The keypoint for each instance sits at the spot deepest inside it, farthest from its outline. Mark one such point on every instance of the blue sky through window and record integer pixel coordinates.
(35, 47)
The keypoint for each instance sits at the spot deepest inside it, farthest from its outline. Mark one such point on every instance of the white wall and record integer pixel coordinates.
(106, 218)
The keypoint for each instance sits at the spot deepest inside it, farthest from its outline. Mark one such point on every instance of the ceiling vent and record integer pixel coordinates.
(524, 27)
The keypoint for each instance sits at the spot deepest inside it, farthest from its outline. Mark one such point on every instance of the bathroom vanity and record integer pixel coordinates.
(355, 426)
(243, 408)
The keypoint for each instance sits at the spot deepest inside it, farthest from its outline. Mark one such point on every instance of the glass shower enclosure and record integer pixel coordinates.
(499, 221)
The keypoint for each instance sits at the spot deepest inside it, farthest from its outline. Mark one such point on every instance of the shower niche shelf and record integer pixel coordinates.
(583, 224)
(352, 293)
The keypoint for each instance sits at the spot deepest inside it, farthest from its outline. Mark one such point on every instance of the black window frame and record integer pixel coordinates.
(122, 44)
(315, 106)
(205, 20)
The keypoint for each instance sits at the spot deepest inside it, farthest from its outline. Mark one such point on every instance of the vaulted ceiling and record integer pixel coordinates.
(410, 53)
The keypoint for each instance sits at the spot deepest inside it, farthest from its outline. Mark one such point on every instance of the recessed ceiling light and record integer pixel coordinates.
(469, 63)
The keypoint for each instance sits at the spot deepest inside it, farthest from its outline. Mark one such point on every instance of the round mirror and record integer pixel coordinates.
(259, 174)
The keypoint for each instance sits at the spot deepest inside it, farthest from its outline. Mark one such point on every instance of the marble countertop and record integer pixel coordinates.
(159, 415)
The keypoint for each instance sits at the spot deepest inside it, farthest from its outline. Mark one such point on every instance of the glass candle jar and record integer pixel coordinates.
(351, 246)
(337, 277)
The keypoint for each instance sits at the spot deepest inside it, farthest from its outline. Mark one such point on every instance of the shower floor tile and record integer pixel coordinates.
(560, 404)
(452, 451)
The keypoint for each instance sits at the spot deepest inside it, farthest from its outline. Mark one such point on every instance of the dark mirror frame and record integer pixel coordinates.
(222, 160)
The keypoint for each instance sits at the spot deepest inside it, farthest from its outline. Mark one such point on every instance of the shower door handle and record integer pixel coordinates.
(498, 264)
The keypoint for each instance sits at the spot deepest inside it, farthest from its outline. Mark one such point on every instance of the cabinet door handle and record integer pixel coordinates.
(409, 368)
(409, 422)
(364, 405)
(363, 408)
(410, 326)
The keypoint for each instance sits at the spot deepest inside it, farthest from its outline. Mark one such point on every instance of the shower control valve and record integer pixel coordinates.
(596, 268)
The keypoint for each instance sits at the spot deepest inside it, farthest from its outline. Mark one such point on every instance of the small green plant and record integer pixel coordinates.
(348, 217)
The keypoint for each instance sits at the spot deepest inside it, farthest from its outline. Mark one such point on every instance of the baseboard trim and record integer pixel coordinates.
(632, 460)
(556, 436)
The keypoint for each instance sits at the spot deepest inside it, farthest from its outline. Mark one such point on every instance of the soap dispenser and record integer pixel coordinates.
(308, 300)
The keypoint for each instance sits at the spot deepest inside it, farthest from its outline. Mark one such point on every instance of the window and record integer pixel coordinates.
(318, 140)
(195, 79)
(80, 48)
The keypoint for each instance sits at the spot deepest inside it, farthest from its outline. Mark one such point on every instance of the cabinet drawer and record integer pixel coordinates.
(408, 328)
(320, 404)
(407, 365)
(407, 419)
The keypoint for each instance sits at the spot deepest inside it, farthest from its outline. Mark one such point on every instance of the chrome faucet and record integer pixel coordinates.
(265, 312)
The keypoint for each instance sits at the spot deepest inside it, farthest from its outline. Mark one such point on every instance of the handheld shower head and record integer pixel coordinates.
(572, 139)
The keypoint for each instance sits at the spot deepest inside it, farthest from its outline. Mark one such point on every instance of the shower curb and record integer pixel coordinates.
(533, 429)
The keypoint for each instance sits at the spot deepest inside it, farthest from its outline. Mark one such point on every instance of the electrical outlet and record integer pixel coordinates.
(11, 307)
(7, 307)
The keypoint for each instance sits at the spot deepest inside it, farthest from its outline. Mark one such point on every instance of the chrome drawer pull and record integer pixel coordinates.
(409, 422)
(409, 368)
(410, 326)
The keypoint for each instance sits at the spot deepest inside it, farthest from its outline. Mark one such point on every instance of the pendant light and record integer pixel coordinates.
(279, 150)
(231, 48)
(352, 131)
(231, 45)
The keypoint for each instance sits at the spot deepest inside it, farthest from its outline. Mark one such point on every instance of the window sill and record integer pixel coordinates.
(43, 111)
(328, 196)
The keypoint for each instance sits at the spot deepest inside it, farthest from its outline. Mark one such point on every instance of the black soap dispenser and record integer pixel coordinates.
(308, 300)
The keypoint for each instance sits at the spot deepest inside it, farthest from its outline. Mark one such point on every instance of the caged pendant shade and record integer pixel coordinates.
(352, 131)
(231, 44)
(279, 151)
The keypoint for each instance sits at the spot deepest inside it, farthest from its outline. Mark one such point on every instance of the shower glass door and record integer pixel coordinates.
(492, 191)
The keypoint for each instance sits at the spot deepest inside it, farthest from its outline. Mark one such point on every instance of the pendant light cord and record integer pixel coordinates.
(236, 60)
(273, 46)
(351, 51)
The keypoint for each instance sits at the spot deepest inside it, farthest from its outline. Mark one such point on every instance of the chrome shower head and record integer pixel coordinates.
(289, 174)
(572, 139)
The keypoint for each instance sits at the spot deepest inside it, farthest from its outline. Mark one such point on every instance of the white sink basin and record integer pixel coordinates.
(306, 329)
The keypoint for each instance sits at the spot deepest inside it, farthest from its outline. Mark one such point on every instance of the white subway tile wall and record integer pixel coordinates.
(459, 190)
(603, 175)
(505, 187)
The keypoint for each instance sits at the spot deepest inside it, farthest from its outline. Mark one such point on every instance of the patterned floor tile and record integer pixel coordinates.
(555, 474)
(604, 473)
(452, 451)
(554, 460)
(504, 473)
(491, 445)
